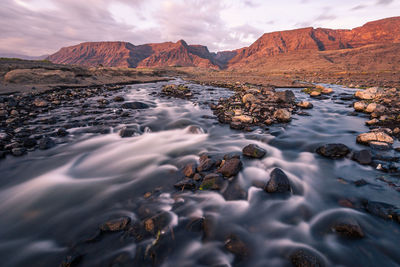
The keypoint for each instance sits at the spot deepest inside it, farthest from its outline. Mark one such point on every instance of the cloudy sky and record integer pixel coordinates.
(36, 27)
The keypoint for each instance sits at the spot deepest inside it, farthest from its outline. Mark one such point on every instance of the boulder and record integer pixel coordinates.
(46, 143)
(348, 227)
(134, 105)
(237, 247)
(286, 96)
(366, 138)
(253, 151)
(278, 182)
(230, 167)
(305, 258)
(373, 107)
(315, 93)
(205, 163)
(249, 98)
(305, 105)
(213, 181)
(243, 119)
(360, 106)
(333, 151)
(282, 115)
(363, 157)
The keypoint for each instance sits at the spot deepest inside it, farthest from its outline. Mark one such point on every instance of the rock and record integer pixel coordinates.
(236, 125)
(135, 105)
(249, 98)
(30, 142)
(383, 210)
(119, 99)
(46, 143)
(127, 132)
(213, 181)
(327, 91)
(367, 94)
(363, 157)
(231, 167)
(185, 184)
(237, 247)
(372, 122)
(373, 107)
(189, 170)
(243, 119)
(333, 151)
(286, 96)
(253, 151)
(278, 182)
(315, 93)
(305, 105)
(18, 151)
(303, 258)
(282, 115)
(360, 106)
(348, 227)
(180, 91)
(366, 138)
(205, 163)
(397, 149)
(72, 260)
(61, 132)
(360, 182)
(115, 224)
(379, 145)
(40, 103)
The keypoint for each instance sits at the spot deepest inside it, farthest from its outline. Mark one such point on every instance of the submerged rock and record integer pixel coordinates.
(253, 151)
(231, 167)
(333, 151)
(304, 258)
(186, 184)
(283, 115)
(363, 157)
(115, 224)
(237, 247)
(278, 182)
(46, 143)
(348, 227)
(135, 105)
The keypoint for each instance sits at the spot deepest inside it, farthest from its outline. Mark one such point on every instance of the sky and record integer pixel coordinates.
(38, 27)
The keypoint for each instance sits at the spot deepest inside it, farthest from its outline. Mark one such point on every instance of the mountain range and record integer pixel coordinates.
(323, 46)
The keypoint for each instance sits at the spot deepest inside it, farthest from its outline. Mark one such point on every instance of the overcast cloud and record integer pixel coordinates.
(36, 27)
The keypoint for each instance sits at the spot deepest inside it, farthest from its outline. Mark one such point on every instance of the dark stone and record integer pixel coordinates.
(205, 163)
(115, 224)
(231, 167)
(253, 151)
(46, 143)
(119, 99)
(127, 132)
(213, 181)
(383, 210)
(30, 142)
(135, 105)
(333, 151)
(278, 182)
(237, 247)
(360, 182)
(189, 170)
(363, 157)
(303, 258)
(348, 227)
(72, 260)
(185, 184)
(157, 223)
(286, 96)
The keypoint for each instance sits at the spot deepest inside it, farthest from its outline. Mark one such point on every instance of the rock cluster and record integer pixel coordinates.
(254, 106)
(179, 91)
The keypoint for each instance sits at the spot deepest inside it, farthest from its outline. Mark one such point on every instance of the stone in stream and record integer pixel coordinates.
(40, 103)
(61, 132)
(278, 182)
(230, 167)
(253, 151)
(119, 98)
(114, 225)
(30, 142)
(305, 105)
(282, 115)
(186, 184)
(366, 138)
(286, 96)
(72, 260)
(46, 143)
(206, 163)
(305, 258)
(363, 157)
(213, 181)
(379, 145)
(18, 151)
(383, 210)
(127, 132)
(333, 151)
(359, 106)
(237, 247)
(134, 105)
(189, 170)
(348, 227)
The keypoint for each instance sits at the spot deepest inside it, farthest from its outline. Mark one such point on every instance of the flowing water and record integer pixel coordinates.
(50, 200)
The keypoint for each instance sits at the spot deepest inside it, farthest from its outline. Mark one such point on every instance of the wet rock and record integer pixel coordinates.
(180, 91)
(383, 210)
(333, 151)
(282, 115)
(372, 122)
(206, 164)
(278, 182)
(135, 105)
(40, 103)
(373, 107)
(46, 143)
(186, 184)
(360, 106)
(367, 94)
(119, 99)
(304, 258)
(366, 138)
(305, 105)
(379, 145)
(315, 94)
(189, 170)
(348, 227)
(115, 225)
(243, 119)
(363, 157)
(237, 247)
(231, 167)
(253, 151)
(236, 125)
(286, 96)
(213, 181)
(397, 149)
(127, 132)
(18, 151)
(157, 223)
(327, 91)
